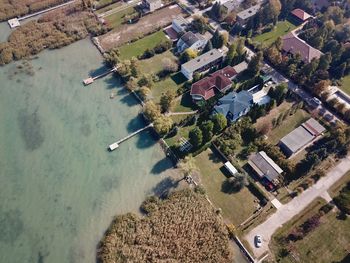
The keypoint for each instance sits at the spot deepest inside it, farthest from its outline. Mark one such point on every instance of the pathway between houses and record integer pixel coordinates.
(285, 212)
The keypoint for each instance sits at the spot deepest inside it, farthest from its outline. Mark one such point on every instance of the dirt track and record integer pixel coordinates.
(148, 23)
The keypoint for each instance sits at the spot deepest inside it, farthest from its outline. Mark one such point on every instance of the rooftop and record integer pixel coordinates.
(245, 14)
(265, 166)
(301, 136)
(235, 103)
(202, 60)
(301, 14)
(190, 38)
(219, 80)
(293, 44)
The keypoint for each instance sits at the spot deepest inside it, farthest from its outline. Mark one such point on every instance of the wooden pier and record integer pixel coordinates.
(15, 22)
(115, 145)
(90, 80)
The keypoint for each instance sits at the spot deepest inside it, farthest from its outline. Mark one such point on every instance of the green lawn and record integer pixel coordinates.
(281, 29)
(137, 48)
(172, 82)
(155, 64)
(288, 125)
(329, 242)
(184, 104)
(117, 19)
(346, 84)
(236, 207)
(183, 132)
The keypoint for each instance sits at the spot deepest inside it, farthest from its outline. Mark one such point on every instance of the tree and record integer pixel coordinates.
(265, 128)
(169, 65)
(151, 110)
(146, 80)
(123, 68)
(166, 100)
(199, 24)
(321, 86)
(208, 46)
(207, 130)
(279, 92)
(196, 137)
(187, 55)
(163, 124)
(112, 57)
(144, 92)
(132, 85)
(217, 11)
(188, 166)
(254, 64)
(235, 184)
(274, 55)
(219, 39)
(220, 122)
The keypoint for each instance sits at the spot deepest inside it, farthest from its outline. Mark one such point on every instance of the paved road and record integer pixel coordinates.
(294, 207)
(305, 95)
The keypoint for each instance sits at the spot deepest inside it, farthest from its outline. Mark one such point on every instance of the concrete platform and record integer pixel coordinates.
(13, 23)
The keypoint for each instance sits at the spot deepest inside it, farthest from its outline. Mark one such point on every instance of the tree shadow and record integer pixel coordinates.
(112, 81)
(163, 188)
(162, 166)
(228, 188)
(146, 140)
(102, 69)
(178, 78)
(129, 99)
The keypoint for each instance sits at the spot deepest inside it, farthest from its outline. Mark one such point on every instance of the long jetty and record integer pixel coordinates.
(115, 145)
(15, 22)
(90, 80)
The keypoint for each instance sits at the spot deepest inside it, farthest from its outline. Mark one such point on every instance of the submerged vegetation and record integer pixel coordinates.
(182, 228)
(54, 30)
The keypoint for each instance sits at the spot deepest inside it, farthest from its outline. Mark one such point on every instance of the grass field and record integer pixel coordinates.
(346, 84)
(282, 28)
(329, 242)
(235, 207)
(138, 47)
(155, 64)
(172, 82)
(288, 125)
(185, 104)
(183, 132)
(117, 19)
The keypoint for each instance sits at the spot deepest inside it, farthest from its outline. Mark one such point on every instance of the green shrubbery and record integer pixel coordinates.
(58, 29)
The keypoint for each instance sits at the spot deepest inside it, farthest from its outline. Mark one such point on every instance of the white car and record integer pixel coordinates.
(317, 101)
(258, 241)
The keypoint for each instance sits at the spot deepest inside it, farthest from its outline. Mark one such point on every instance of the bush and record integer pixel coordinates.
(327, 208)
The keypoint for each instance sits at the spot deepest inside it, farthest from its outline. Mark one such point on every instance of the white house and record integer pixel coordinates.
(179, 24)
(152, 5)
(192, 41)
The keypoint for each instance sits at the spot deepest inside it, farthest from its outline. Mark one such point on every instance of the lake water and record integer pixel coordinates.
(59, 186)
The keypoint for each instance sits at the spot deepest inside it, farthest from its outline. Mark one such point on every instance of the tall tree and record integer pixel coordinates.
(255, 63)
(196, 137)
(220, 122)
(166, 100)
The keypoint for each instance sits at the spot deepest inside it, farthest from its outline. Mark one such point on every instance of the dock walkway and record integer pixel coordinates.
(90, 80)
(115, 145)
(15, 22)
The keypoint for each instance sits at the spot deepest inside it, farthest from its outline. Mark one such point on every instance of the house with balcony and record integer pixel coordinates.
(190, 40)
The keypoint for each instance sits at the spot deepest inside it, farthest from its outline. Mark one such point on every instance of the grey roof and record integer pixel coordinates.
(265, 166)
(235, 103)
(240, 67)
(304, 134)
(202, 60)
(245, 14)
(231, 5)
(189, 38)
(180, 21)
(297, 138)
(314, 127)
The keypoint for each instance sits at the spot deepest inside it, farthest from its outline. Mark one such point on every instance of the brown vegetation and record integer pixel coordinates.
(10, 8)
(57, 29)
(181, 228)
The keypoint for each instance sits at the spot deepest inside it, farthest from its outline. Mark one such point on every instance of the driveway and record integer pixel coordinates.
(294, 207)
(303, 94)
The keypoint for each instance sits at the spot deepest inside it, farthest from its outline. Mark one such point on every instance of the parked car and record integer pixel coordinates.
(258, 241)
(317, 101)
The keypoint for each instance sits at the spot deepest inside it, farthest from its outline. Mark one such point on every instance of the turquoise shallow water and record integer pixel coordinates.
(59, 187)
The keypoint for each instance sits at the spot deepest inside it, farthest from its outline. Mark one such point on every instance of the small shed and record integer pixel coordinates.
(233, 171)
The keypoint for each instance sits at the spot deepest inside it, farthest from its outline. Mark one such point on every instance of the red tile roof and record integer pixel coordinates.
(293, 44)
(219, 80)
(301, 14)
